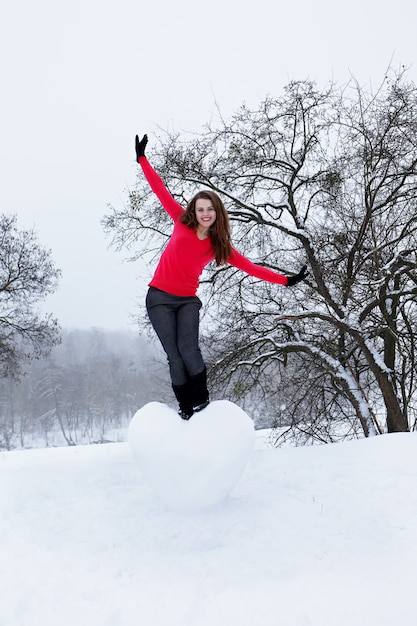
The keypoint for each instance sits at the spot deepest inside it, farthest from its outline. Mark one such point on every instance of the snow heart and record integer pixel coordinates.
(192, 465)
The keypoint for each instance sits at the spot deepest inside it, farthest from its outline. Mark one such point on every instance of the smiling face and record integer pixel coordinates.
(205, 214)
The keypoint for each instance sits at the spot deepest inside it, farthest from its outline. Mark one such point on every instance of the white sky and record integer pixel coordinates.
(80, 78)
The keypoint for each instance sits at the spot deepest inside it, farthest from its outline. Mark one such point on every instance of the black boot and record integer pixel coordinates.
(200, 393)
(184, 397)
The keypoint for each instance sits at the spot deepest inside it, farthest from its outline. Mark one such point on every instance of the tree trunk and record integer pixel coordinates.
(396, 420)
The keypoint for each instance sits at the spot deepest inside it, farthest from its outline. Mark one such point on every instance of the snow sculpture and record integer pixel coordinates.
(192, 465)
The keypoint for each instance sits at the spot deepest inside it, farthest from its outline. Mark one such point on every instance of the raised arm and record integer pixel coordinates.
(171, 206)
(258, 271)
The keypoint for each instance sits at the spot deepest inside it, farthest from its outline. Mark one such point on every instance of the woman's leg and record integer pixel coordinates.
(188, 321)
(188, 324)
(176, 322)
(163, 317)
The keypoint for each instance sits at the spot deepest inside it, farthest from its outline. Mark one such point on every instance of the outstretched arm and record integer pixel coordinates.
(238, 260)
(171, 206)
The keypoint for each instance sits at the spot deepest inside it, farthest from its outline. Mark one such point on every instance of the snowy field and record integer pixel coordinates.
(317, 536)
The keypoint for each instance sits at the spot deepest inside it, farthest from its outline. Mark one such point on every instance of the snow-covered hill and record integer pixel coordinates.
(318, 536)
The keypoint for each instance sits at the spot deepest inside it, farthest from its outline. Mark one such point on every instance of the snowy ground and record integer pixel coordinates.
(318, 536)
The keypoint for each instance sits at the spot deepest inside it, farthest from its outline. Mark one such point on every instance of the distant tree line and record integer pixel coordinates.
(86, 390)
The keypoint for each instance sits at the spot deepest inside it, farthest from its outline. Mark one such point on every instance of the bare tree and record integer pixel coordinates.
(27, 275)
(328, 177)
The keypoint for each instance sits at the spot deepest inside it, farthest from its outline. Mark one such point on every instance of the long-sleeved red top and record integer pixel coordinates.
(185, 256)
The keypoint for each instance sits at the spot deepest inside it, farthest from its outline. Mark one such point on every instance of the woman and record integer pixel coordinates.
(201, 234)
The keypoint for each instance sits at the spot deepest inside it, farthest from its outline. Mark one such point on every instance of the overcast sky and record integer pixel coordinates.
(80, 78)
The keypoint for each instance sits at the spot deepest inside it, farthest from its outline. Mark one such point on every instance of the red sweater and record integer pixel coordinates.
(185, 255)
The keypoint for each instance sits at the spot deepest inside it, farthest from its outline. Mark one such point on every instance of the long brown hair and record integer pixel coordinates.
(219, 232)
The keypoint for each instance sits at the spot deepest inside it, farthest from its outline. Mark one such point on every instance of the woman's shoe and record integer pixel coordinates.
(201, 406)
(184, 397)
(200, 394)
(185, 415)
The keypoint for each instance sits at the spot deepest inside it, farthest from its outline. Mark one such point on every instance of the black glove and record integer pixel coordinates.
(140, 146)
(293, 280)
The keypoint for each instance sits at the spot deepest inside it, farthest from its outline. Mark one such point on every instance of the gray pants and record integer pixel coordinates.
(176, 320)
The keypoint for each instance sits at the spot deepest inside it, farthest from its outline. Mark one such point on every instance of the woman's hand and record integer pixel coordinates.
(293, 280)
(140, 146)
